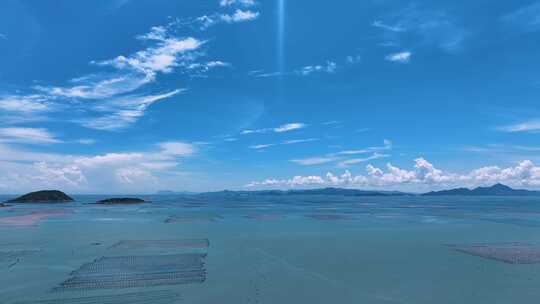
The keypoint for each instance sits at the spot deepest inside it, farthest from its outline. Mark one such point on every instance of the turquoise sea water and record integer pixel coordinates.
(276, 249)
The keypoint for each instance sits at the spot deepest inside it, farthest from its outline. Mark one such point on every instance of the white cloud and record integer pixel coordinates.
(313, 161)
(401, 57)
(162, 58)
(123, 111)
(25, 104)
(262, 74)
(354, 59)
(528, 126)
(280, 129)
(98, 86)
(352, 152)
(177, 148)
(239, 16)
(290, 127)
(285, 142)
(132, 71)
(142, 171)
(134, 176)
(245, 3)
(329, 67)
(27, 135)
(86, 141)
(298, 141)
(393, 28)
(422, 28)
(354, 161)
(108, 105)
(424, 174)
(526, 18)
(343, 157)
(261, 146)
(207, 66)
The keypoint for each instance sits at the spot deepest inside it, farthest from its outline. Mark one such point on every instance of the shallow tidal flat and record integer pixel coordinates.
(275, 250)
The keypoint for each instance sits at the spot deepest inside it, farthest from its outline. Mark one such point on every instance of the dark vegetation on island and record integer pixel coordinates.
(55, 196)
(121, 201)
(43, 196)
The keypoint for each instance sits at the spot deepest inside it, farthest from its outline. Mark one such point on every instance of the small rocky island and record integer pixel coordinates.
(121, 201)
(43, 196)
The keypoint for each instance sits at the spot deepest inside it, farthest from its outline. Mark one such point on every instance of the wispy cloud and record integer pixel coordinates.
(393, 28)
(239, 16)
(527, 18)
(298, 141)
(401, 57)
(245, 3)
(280, 129)
(174, 148)
(353, 59)
(431, 28)
(285, 142)
(121, 171)
(109, 99)
(206, 21)
(499, 149)
(135, 70)
(17, 109)
(123, 111)
(27, 136)
(314, 160)
(163, 58)
(328, 67)
(262, 74)
(532, 126)
(207, 66)
(289, 127)
(86, 141)
(343, 158)
(354, 161)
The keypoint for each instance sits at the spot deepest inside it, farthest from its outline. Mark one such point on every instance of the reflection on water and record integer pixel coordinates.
(301, 249)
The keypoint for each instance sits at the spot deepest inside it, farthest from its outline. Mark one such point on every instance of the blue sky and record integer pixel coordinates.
(140, 96)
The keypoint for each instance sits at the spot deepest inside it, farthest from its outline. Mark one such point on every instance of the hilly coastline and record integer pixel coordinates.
(495, 190)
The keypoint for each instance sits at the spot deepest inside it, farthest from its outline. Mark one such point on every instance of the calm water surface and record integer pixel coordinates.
(272, 249)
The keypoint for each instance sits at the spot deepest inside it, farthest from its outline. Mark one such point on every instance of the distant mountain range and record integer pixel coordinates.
(495, 190)
(169, 192)
(322, 191)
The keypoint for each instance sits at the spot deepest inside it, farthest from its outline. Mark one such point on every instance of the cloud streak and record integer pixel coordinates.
(343, 158)
(328, 67)
(280, 129)
(428, 28)
(285, 142)
(27, 136)
(526, 18)
(106, 100)
(532, 126)
(245, 3)
(123, 111)
(401, 57)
